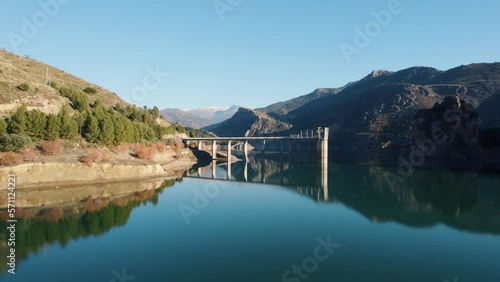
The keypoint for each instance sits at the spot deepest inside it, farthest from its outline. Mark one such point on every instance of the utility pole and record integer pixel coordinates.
(47, 76)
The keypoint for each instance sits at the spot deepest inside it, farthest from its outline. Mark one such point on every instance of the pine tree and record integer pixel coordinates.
(91, 129)
(35, 124)
(137, 137)
(69, 127)
(149, 133)
(118, 108)
(155, 112)
(119, 127)
(129, 131)
(81, 102)
(98, 111)
(3, 127)
(107, 135)
(79, 119)
(17, 123)
(53, 127)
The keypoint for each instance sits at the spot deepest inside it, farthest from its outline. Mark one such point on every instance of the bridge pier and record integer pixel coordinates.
(229, 157)
(322, 144)
(245, 149)
(214, 149)
(229, 149)
(245, 171)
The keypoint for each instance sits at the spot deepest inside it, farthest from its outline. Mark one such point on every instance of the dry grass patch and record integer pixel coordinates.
(29, 155)
(52, 148)
(121, 148)
(143, 152)
(160, 147)
(95, 156)
(11, 159)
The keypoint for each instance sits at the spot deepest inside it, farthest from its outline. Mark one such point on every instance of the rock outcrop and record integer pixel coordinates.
(248, 122)
(449, 129)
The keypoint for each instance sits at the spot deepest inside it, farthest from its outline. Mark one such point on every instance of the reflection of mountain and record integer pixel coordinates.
(464, 201)
(460, 200)
(94, 217)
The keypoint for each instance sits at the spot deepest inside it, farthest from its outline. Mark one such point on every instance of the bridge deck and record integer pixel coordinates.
(246, 138)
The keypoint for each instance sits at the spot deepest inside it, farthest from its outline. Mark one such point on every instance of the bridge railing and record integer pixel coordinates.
(318, 133)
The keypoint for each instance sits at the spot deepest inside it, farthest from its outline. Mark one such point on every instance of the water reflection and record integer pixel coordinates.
(41, 226)
(465, 201)
(309, 179)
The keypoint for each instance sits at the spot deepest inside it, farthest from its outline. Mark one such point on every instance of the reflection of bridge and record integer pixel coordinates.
(276, 173)
(320, 136)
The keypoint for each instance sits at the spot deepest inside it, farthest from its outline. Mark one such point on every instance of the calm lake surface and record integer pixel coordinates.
(275, 222)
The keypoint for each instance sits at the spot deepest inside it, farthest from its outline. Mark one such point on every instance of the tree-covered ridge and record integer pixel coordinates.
(93, 122)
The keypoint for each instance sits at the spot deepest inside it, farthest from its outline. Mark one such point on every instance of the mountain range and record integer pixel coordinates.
(199, 117)
(377, 111)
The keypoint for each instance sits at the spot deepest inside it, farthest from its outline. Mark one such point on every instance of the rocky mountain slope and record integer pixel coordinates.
(247, 122)
(16, 70)
(281, 109)
(377, 111)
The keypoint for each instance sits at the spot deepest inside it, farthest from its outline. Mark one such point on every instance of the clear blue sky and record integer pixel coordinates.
(263, 51)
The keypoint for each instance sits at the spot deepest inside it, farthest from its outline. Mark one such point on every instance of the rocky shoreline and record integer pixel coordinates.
(42, 175)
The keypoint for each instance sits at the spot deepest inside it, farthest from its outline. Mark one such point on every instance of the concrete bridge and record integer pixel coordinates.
(318, 137)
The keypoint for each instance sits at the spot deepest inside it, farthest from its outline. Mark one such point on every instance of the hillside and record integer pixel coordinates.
(16, 70)
(74, 131)
(248, 122)
(283, 108)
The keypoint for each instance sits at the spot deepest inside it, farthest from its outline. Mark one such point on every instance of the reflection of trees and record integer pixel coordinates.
(453, 193)
(464, 201)
(53, 225)
(447, 191)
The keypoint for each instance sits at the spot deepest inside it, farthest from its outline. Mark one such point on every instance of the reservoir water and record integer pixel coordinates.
(273, 221)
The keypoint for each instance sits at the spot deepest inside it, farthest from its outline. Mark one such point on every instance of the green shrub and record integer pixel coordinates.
(24, 87)
(14, 142)
(53, 84)
(89, 90)
(79, 101)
